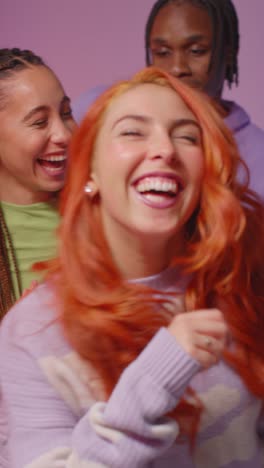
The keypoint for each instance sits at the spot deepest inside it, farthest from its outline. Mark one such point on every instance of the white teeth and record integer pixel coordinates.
(54, 158)
(157, 184)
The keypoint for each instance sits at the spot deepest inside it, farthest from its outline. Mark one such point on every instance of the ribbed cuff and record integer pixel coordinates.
(167, 363)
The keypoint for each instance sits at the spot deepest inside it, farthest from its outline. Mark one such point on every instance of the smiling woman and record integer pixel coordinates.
(36, 125)
(143, 186)
(150, 325)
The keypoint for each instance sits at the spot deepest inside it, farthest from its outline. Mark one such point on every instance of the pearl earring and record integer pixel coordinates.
(88, 188)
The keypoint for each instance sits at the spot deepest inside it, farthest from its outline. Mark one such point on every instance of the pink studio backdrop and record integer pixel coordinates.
(93, 42)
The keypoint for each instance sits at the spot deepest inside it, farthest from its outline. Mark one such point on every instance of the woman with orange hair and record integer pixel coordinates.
(145, 345)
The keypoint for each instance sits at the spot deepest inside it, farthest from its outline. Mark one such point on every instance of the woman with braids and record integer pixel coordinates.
(144, 348)
(36, 124)
(198, 42)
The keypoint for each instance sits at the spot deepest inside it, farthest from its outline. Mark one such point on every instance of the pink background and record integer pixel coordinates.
(92, 42)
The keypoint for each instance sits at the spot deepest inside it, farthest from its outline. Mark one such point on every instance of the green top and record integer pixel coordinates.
(32, 229)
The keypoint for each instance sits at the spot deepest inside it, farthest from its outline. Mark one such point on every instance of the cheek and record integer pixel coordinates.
(72, 126)
(20, 147)
(200, 76)
(195, 166)
(106, 167)
(201, 67)
(117, 158)
(13, 151)
(163, 62)
(31, 144)
(125, 152)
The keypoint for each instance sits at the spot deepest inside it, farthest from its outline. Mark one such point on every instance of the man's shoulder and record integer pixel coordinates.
(254, 132)
(250, 141)
(240, 123)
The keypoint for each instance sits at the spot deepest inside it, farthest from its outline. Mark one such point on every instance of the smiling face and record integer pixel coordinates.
(147, 167)
(36, 126)
(181, 43)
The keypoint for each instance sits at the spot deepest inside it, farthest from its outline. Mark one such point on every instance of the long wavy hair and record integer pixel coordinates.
(109, 321)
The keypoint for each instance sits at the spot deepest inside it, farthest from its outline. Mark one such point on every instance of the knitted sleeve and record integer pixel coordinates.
(129, 430)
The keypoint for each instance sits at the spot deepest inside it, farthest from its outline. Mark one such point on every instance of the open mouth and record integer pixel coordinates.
(54, 165)
(156, 189)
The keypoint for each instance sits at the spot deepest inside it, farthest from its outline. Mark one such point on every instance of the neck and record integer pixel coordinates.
(24, 197)
(220, 103)
(138, 257)
(222, 107)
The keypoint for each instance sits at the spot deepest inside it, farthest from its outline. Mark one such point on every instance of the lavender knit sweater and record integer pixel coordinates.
(54, 413)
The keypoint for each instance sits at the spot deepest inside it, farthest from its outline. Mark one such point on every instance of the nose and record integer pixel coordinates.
(179, 65)
(162, 148)
(61, 133)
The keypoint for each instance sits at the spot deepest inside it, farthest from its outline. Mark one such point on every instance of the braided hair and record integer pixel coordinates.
(11, 62)
(225, 26)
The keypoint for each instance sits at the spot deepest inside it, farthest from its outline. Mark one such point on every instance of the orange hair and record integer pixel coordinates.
(109, 321)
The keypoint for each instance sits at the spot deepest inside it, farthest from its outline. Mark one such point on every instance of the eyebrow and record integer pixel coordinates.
(189, 39)
(185, 122)
(137, 117)
(44, 108)
(145, 119)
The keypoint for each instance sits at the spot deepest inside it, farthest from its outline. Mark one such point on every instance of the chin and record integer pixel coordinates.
(54, 187)
(50, 192)
(160, 235)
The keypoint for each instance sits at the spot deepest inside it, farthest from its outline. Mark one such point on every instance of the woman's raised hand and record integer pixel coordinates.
(203, 334)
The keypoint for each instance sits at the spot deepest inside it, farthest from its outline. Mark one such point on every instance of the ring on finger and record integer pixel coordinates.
(208, 342)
